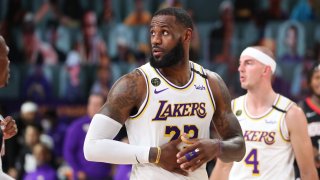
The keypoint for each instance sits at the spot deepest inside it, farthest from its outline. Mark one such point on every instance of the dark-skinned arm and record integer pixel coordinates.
(229, 145)
(225, 122)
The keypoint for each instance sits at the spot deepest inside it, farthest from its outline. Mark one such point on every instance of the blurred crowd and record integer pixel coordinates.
(66, 54)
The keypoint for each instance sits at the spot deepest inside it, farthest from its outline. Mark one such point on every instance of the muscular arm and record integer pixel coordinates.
(226, 123)
(125, 96)
(229, 145)
(301, 143)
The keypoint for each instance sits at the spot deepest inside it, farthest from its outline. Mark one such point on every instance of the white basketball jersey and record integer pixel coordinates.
(269, 154)
(167, 112)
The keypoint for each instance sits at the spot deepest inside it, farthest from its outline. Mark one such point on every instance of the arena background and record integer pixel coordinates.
(62, 51)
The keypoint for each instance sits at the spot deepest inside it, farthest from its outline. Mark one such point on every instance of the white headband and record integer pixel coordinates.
(261, 57)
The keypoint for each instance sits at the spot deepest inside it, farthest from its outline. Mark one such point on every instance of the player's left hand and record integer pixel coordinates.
(204, 150)
(9, 127)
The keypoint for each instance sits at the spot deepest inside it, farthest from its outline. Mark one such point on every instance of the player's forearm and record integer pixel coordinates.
(232, 149)
(99, 145)
(115, 152)
(309, 173)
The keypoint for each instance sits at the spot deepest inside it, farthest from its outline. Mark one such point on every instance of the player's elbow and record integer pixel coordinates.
(88, 150)
(235, 152)
(242, 151)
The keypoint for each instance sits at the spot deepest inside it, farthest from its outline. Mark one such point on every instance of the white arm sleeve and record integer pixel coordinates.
(99, 145)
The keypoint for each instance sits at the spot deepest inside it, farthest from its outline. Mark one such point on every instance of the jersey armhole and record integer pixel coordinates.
(145, 101)
(209, 90)
(283, 125)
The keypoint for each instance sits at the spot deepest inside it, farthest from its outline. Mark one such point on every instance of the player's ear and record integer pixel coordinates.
(267, 70)
(188, 34)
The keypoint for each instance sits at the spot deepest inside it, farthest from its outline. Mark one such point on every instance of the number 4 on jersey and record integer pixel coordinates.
(252, 160)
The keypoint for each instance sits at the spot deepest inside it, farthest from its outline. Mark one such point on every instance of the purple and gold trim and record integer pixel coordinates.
(282, 121)
(263, 116)
(146, 101)
(186, 86)
(209, 91)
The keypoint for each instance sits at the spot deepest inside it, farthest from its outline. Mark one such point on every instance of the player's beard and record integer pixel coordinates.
(173, 57)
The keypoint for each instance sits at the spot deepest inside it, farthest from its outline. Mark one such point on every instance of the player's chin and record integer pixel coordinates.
(244, 86)
(157, 58)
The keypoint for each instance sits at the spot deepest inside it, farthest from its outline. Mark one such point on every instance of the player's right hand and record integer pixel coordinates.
(168, 159)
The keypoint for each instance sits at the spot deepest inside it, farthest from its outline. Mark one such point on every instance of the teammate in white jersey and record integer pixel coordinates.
(159, 102)
(274, 128)
(8, 125)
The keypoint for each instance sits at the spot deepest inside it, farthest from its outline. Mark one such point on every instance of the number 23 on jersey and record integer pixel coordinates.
(175, 132)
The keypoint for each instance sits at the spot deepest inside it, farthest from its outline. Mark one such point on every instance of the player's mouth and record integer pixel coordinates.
(157, 52)
(242, 78)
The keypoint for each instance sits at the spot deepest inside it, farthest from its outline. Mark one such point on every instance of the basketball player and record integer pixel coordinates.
(274, 127)
(159, 102)
(311, 107)
(8, 125)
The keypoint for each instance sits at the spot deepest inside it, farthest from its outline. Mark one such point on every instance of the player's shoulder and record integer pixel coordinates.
(131, 86)
(132, 78)
(293, 111)
(213, 77)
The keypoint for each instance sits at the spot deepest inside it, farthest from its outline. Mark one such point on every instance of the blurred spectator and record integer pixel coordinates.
(222, 36)
(34, 50)
(107, 19)
(68, 12)
(72, 87)
(27, 115)
(244, 10)
(123, 172)
(52, 37)
(103, 81)
(107, 16)
(291, 53)
(170, 3)
(139, 16)
(37, 86)
(194, 53)
(11, 26)
(222, 46)
(56, 130)
(290, 43)
(303, 11)
(44, 170)
(311, 107)
(91, 47)
(125, 59)
(317, 52)
(25, 161)
(274, 12)
(73, 145)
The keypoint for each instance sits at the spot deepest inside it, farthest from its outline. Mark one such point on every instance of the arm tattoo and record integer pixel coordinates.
(223, 115)
(124, 96)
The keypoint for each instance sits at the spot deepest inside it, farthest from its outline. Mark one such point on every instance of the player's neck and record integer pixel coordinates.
(179, 74)
(263, 97)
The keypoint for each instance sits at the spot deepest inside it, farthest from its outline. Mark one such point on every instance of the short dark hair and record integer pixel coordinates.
(181, 15)
(314, 68)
